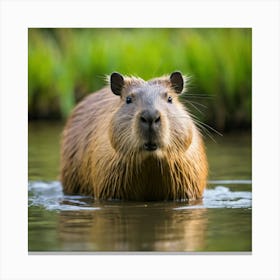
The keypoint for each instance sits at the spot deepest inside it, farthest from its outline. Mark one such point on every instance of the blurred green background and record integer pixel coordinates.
(64, 65)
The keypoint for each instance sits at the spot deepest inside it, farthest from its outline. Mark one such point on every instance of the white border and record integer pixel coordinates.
(17, 16)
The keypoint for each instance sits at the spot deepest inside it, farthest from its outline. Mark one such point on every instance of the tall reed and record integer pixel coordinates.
(66, 64)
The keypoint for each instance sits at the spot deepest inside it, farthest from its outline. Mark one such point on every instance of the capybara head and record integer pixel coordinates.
(149, 119)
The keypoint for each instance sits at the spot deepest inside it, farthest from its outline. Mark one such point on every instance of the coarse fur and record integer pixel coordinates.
(104, 143)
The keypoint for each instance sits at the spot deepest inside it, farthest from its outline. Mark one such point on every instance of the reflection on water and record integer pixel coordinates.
(135, 228)
(77, 223)
(140, 227)
(82, 224)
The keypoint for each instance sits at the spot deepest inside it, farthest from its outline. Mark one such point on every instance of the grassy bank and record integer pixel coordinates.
(66, 64)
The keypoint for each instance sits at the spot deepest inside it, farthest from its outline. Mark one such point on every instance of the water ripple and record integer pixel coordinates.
(49, 195)
(223, 197)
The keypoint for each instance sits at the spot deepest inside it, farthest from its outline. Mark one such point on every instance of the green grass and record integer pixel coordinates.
(66, 64)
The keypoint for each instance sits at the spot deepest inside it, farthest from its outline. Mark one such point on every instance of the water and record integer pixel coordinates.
(220, 222)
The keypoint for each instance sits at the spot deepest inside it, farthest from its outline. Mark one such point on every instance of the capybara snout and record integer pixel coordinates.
(150, 126)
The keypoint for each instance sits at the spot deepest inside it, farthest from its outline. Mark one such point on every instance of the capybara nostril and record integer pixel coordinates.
(157, 120)
(143, 120)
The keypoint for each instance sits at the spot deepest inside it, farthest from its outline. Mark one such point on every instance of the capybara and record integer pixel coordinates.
(134, 140)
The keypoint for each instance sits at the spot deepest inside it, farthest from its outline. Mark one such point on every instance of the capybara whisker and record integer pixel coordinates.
(196, 103)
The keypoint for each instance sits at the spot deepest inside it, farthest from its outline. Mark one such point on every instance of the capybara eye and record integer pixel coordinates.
(169, 99)
(128, 99)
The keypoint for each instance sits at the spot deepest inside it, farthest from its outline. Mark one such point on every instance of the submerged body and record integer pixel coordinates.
(134, 140)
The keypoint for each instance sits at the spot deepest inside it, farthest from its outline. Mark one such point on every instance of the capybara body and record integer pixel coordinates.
(134, 140)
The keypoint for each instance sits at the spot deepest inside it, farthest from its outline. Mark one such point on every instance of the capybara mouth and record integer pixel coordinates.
(149, 146)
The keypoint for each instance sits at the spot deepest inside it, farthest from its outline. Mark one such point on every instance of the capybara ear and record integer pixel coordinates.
(177, 81)
(117, 83)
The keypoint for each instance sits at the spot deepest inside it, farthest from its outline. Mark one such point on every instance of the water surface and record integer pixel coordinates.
(220, 222)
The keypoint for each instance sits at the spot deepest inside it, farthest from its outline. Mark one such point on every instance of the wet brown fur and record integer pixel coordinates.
(99, 154)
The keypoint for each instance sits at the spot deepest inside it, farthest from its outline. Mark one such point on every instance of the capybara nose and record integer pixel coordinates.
(150, 117)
